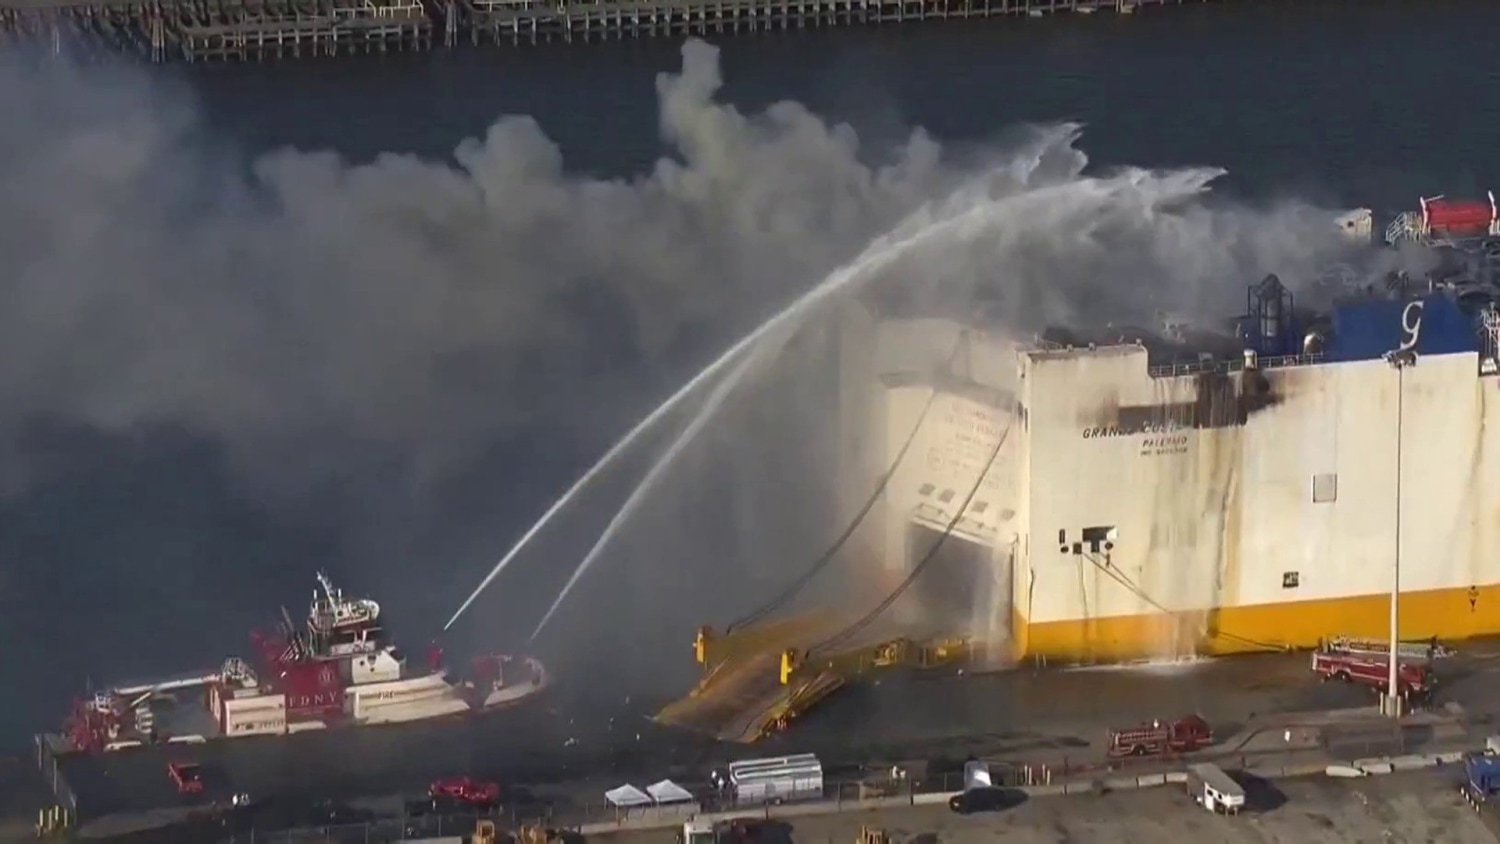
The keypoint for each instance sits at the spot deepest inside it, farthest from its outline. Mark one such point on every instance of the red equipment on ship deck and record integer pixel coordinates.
(1442, 217)
(1183, 735)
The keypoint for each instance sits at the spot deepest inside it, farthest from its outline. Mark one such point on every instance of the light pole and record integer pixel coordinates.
(1400, 360)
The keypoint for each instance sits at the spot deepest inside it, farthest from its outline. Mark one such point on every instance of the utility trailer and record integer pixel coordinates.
(779, 779)
(1214, 790)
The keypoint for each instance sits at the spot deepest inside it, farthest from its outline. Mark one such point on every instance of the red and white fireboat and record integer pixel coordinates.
(340, 670)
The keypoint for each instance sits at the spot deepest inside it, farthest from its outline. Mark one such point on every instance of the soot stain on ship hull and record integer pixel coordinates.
(1220, 400)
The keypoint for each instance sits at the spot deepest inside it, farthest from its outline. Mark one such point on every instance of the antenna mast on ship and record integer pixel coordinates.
(333, 610)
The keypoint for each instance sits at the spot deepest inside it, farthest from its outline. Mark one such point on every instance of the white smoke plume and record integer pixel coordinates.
(426, 305)
(309, 313)
(407, 303)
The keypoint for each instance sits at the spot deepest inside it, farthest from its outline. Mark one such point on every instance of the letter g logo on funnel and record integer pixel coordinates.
(1411, 325)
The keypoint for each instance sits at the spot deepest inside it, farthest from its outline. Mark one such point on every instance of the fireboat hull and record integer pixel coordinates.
(338, 669)
(189, 715)
(399, 702)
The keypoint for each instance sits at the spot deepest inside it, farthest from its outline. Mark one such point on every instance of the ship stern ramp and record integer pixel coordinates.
(741, 672)
(759, 680)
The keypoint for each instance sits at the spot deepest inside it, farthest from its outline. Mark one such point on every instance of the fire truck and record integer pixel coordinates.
(187, 776)
(1372, 670)
(464, 791)
(1183, 735)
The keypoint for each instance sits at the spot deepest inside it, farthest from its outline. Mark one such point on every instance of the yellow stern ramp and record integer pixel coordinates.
(758, 680)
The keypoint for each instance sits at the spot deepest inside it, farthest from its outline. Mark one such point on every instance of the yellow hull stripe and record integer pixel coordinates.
(1446, 613)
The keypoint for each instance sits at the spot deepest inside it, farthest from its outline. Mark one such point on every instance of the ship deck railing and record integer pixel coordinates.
(377, 11)
(1226, 365)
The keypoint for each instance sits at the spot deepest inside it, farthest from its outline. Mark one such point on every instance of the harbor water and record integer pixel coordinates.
(127, 554)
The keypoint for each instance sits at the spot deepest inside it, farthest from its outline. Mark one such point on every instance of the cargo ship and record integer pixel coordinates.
(339, 669)
(1198, 488)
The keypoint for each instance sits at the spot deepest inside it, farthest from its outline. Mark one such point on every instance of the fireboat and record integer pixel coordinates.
(339, 670)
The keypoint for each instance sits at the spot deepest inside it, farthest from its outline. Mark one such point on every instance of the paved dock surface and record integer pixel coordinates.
(1420, 808)
(567, 755)
(571, 756)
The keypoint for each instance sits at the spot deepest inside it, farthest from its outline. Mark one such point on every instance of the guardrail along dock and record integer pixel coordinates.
(200, 30)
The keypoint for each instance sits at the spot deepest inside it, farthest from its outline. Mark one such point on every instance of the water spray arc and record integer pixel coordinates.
(721, 392)
(662, 410)
(963, 224)
(1018, 206)
(880, 252)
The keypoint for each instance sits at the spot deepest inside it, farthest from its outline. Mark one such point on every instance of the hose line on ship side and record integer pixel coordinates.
(795, 588)
(869, 618)
(1130, 586)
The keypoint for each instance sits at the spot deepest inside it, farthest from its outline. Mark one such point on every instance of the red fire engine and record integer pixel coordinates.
(187, 776)
(1373, 670)
(1183, 735)
(465, 791)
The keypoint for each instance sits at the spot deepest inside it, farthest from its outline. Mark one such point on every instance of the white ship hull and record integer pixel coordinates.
(396, 702)
(338, 671)
(403, 701)
(1108, 535)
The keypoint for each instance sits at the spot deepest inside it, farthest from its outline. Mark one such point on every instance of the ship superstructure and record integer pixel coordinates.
(338, 668)
(1197, 487)
(1115, 493)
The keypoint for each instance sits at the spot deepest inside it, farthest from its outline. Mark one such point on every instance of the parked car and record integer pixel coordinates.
(985, 799)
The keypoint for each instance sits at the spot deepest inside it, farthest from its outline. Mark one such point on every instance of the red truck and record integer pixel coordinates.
(187, 776)
(466, 792)
(1373, 670)
(1183, 735)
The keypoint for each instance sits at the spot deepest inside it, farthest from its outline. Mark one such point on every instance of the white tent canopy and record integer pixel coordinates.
(627, 797)
(667, 791)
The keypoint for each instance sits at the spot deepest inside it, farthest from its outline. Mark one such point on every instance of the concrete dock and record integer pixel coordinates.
(1418, 807)
(206, 30)
(566, 758)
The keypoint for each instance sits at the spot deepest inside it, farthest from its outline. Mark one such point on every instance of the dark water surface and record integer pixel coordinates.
(145, 553)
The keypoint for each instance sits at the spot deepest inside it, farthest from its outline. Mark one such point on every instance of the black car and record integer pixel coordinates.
(985, 799)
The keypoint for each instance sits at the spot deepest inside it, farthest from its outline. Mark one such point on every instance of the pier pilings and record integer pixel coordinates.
(252, 30)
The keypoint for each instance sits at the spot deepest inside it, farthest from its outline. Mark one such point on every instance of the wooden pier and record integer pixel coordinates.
(200, 30)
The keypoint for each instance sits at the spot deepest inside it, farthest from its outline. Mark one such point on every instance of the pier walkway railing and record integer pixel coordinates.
(201, 30)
